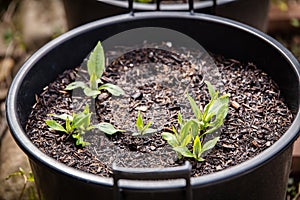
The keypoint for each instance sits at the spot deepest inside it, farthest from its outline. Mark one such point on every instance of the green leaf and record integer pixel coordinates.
(96, 61)
(180, 121)
(195, 108)
(76, 84)
(93, 81)
(197, 148)
(76, 136)
(219, 119)
(208, 117)
(30, 177)
(147, 126)
(176, 133)
(186, 140)
(62, 116)
(69, 128)
(149, 131)
(139, 122)
(207, 108)
(107, 128)
(113, 89)
(81, 120)
(211, 89)
(211, 130)
(170, 138)
(185, 130)
(91, 93)
(136, 134)
(86, 109)
(210, 144)
(194, 129)
(218, 104)
(199, 159)
(184, 151)
(79, 140)
(55, 126)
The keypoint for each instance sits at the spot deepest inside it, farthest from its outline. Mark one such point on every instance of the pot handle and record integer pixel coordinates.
(180, 172)
(190, 2)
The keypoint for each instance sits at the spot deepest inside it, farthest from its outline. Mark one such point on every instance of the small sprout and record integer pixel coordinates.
(180, 141)
(28, 178)
(78, 124)
(96, 67)
(198, 149)
(214, 112)
(143, 129)
(193, 131)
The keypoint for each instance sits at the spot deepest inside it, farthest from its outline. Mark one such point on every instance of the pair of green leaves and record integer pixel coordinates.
(192, 131)
(142, 128)
(96, 67)
(79, 123)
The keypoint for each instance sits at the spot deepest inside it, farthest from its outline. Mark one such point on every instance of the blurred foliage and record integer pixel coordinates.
(293, 189)
(28, 190)
(283, 5)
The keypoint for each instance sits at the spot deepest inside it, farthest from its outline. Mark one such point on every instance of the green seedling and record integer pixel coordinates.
(180, 142)
(143, 129)
(214, 113)
(28, 178)
(96, 67)
(78, 124)
(193, 131)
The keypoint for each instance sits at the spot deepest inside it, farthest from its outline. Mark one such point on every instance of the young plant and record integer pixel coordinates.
(143, 129)
(193, 131)
(214, 113)
(96, 67)
(78, 124)
(180, 141)
(28, 178)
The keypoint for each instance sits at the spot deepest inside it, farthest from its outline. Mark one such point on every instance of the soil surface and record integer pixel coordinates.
(256, 119)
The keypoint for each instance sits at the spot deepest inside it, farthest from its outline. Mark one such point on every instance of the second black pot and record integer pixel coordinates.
(251, 12)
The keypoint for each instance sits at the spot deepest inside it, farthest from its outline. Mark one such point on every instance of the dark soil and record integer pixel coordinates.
(257, 114)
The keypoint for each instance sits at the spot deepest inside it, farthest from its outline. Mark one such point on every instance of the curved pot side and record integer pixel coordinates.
(259, 178)
(255, 185)
(251, 12)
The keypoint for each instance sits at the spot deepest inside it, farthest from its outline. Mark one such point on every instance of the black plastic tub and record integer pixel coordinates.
(251, 12)
(263, 177)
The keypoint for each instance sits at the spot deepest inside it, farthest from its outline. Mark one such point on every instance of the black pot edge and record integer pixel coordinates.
(244, 168)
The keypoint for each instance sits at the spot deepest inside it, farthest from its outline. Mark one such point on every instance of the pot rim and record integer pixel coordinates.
(167, 7)
(227, 174)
